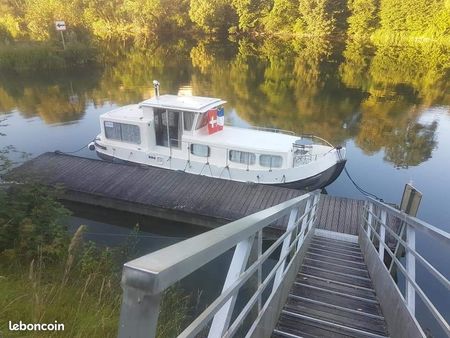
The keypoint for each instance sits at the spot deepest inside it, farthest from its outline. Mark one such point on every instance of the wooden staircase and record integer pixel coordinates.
(332, 296)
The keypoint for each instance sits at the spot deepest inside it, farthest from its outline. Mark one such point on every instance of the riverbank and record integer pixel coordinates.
(44, 57)
(47, 276)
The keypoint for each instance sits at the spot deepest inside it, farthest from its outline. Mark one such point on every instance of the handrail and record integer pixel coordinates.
(269, 129)
(413, 221)
(312, 136)
(146, 278)
(286, 132)
(375, 226)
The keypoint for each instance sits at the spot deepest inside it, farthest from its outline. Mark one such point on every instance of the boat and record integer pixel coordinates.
(189, 134)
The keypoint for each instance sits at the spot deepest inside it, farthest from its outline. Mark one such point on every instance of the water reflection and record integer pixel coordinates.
(373, 94)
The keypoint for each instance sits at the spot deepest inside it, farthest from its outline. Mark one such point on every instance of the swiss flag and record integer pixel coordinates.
(213, 123)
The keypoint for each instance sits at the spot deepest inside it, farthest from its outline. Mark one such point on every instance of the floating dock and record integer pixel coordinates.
(329, 274)
(173, 195)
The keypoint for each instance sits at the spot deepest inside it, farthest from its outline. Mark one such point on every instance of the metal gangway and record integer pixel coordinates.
(318, 282)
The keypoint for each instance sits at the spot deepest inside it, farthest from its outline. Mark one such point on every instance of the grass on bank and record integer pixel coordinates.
(47, 276)
(33, 57)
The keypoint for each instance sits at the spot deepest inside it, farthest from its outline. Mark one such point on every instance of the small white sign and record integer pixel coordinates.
(109, 124)
(60, 25)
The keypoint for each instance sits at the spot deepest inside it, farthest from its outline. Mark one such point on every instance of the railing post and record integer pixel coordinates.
(305, 221)
(260, 244)
(397, 244)
(314, 210)
(369, 221)
(285, 247)
(238, 264)
(382, 234)
(410, 268)
(138, 314)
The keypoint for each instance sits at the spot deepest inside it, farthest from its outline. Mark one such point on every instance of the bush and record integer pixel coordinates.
(44, 57)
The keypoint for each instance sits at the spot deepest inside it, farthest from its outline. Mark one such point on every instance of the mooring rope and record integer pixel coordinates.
(361, 190)
(75, 151)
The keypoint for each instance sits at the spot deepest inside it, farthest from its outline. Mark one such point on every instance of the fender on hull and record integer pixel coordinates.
(318, 181)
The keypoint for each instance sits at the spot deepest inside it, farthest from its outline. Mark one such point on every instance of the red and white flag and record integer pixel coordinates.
(213, 123)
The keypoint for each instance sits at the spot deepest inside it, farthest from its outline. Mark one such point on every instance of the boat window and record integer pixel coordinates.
(122, 132)
(188, 120)
(242, 157)
(161, 130)
(200, 150)
(167, 128)
(130, 133)
(175, 128)
(202, 121)
(271, 161)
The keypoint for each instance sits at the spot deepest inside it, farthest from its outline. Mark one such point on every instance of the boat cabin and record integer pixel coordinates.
(174, 116)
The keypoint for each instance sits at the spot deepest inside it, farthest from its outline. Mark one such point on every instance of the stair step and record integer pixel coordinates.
(335, 241)
(334, 267)
(336, 244)
(305, 326)
(351, 319)
(348, 261)
(338, 287)
(344, 278)
(334, 298)
(329, 248)
(339, 255)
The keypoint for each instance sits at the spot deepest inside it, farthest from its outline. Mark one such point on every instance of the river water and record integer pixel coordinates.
(388, 104)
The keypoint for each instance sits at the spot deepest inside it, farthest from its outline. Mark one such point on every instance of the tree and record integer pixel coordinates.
(363, 19)
(250, 13)
(282, 16)
(213, 15)
(412, 17)
(40, 16)
(157, 16)
(315, 18)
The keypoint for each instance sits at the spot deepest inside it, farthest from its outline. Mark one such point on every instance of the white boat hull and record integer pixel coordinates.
(315, 175)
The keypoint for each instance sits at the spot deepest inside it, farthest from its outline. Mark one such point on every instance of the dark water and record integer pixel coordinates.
(389, 104)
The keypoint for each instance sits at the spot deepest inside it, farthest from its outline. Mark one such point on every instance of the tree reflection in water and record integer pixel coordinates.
(372, 93)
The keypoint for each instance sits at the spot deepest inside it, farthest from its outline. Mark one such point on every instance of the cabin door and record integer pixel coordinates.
(167, 128)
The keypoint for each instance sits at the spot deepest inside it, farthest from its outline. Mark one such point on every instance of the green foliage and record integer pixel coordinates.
(213, 15)
(251, 13)
(417, 18)
(32, 224)
(40, 16)
(44, 57)
(47, 277)
(9, 28)
(156, 16)
(282, 16)
(144, 20)
(363, 19)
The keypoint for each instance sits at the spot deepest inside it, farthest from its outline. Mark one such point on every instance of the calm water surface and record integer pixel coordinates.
(389, 105)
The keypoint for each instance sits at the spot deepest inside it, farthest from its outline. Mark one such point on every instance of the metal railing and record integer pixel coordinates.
(269, 129)
(315, 138)
(379, 220)
(146, 278)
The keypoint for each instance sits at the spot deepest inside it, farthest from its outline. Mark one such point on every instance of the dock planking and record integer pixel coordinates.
(174, 195)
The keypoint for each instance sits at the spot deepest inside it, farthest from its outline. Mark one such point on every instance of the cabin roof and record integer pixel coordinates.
(183, 103)
(131, 112)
